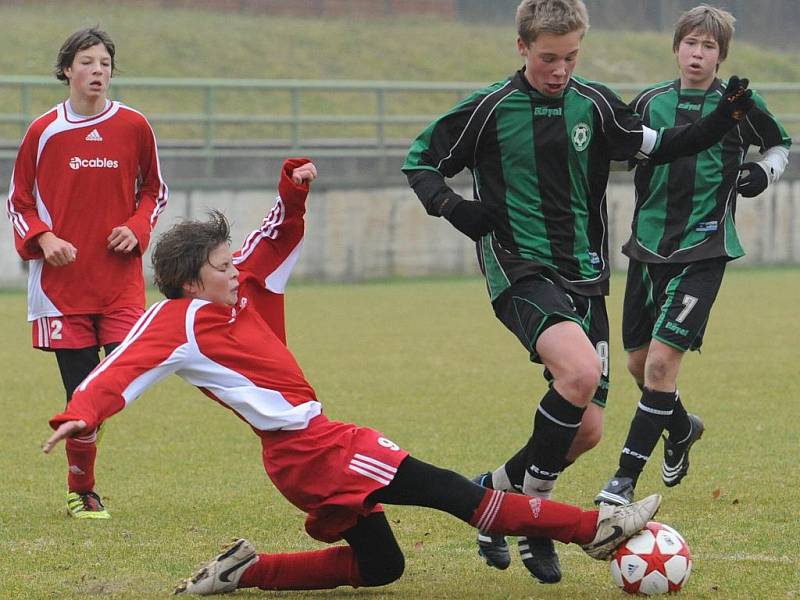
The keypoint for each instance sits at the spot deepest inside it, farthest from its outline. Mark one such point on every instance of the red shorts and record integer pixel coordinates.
(328, 470)
(70, 332)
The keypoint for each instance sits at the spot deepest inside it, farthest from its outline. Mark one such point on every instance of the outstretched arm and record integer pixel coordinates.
(687, 140)
(150, 352)
(269, 254)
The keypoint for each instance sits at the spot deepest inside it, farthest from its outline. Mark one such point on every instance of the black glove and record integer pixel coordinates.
(736, 99)
(472, 219)
(755, 182)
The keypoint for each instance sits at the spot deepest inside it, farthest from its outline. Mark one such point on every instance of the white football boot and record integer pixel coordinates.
(222, 573)
(615, 524)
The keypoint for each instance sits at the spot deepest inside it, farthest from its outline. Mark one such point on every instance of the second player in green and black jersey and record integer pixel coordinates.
(685, 209)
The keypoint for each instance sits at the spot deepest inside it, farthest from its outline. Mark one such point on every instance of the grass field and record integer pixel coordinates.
(425, 362)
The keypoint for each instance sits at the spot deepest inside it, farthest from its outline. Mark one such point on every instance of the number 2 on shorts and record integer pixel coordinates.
(55, 329)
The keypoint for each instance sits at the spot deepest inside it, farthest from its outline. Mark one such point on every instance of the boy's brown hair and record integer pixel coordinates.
(81, 40)
(707, 19)
(181, 252)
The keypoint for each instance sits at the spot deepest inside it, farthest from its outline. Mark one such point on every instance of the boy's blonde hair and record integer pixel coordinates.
(535, 17)
(714, 21)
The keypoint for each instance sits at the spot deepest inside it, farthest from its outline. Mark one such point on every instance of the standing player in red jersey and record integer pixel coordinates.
(84, 197)
(222, 329)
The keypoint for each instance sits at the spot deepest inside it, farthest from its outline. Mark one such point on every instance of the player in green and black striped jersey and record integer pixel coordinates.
(539, 146)
(685, 209)
(683, 235)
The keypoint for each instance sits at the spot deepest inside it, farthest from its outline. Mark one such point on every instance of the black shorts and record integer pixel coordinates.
(531, 305)
(670, 303)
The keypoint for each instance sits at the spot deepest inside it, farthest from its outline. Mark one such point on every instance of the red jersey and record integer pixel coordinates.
(80, 178)
(236, 355)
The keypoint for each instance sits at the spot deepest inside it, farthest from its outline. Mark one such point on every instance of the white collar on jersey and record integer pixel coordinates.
(75, 116)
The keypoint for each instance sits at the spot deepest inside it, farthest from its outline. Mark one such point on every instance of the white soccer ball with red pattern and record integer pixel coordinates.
(654, 561)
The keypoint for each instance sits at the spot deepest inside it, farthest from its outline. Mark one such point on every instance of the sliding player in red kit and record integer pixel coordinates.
(84, 197)
(222, 329)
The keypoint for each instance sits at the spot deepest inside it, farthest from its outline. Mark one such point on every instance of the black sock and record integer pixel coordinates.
(515, 468)
(554, 428)
(679, 426)
(516, 465)
(418, 483)
(652, 416)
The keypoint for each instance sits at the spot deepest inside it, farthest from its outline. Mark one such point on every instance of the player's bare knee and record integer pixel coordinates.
(658, 372)
(584, 380)
(579, 381)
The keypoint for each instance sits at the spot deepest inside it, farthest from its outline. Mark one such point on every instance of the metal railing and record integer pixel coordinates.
(207, 120)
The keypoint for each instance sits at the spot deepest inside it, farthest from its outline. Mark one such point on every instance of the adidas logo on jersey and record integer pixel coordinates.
(94, 136)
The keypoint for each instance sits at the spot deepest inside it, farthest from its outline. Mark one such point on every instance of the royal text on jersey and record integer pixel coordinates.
(545, 111)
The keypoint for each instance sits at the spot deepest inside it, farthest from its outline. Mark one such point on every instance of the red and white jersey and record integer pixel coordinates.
(236, 355)
(80, 178)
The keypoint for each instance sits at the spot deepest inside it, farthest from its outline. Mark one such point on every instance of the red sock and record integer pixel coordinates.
(316, 570)
(516, 514)
(81, 453)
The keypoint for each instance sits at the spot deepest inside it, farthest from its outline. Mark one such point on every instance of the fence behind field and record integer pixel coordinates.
(214, 133)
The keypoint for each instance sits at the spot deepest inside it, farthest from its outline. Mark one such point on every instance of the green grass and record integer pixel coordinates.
(201, 43)
(425, 362)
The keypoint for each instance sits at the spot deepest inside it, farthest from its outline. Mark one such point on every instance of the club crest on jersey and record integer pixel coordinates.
(581, 136)
(235, 311)
(94, 136)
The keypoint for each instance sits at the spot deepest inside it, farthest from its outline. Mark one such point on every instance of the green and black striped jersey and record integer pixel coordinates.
(685, 209)
(541, 165)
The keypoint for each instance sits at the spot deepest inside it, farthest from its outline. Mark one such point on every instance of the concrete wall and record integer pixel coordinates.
(355, 235)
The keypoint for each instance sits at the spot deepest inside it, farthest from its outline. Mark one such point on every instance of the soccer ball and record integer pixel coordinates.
(654, 561)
